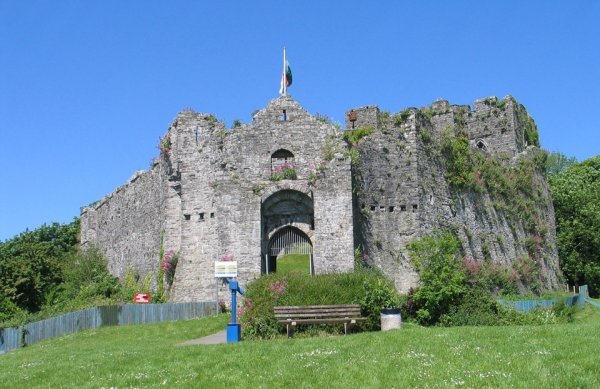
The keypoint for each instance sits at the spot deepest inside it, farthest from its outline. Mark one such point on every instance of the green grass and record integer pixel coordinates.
(293, 263)
(146, 356)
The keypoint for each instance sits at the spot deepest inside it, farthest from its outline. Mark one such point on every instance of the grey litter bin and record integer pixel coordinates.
(390, 319)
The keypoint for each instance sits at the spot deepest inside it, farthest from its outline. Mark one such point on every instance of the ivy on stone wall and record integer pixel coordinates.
(530, 131)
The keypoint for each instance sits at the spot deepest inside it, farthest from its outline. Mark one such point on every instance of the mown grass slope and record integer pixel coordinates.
(549, 356)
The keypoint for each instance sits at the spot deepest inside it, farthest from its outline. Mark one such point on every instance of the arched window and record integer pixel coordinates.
(282, 165)
(480, 143)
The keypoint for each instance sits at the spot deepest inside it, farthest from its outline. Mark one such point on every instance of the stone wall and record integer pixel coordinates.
(126, 225)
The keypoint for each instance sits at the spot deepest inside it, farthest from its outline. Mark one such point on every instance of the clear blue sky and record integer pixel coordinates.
(88, 87)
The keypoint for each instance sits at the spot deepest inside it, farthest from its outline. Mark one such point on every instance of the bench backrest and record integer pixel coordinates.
(318, 311)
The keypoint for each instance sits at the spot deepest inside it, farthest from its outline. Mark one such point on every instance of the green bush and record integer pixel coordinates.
(497, 279)
(460, 166)
(366, 287)
(354, 136)
(436, 259)
(476, 308)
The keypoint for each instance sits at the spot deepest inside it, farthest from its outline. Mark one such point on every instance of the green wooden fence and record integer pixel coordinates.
(528, 305)
(109, 315)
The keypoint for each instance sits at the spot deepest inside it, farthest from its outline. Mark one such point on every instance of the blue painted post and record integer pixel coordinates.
(233, 304)
(233, 329)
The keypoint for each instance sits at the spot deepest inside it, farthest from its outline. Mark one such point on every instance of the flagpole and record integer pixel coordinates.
(283, 75)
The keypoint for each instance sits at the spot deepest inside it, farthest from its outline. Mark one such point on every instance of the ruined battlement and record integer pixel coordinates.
(497, 125)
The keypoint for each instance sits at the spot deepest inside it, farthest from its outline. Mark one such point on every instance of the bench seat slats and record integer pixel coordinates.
(321, 314)
(323, 321)
(291, 316)
(313, 310)
(319, 306)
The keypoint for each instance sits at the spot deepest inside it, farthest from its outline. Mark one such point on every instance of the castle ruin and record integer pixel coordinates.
(291, 178)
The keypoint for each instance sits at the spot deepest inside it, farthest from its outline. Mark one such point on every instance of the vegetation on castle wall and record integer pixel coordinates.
(460, 167)
(165, 146)
(402, 117)
(461, 291)
(354, 136)
(530, 131)
(576, 195)
(513, 189)
(285, 171)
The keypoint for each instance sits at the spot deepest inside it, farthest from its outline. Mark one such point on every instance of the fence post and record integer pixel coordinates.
(583, 294)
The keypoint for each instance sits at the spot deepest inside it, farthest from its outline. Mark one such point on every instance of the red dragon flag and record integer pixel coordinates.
(286, 76)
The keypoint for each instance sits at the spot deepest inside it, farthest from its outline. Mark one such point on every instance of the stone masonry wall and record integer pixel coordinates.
(126, 225)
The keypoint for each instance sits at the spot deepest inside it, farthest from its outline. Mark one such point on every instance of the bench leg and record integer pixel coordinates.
(348, 325)
(290, 327)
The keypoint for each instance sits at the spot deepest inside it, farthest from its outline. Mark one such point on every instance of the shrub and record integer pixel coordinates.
(476, 308)
(284, 171)
(366, 287)
(169, 265)
(354, 136)
(256, 313)
(497, 279)
(442, 281)
(460, 167)
(402, 117)
(132, 284)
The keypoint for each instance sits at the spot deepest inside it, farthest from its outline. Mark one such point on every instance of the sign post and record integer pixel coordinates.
(228, 269)
(233, 329)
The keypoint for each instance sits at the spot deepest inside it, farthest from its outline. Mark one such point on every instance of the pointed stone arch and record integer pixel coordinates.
(287, 224)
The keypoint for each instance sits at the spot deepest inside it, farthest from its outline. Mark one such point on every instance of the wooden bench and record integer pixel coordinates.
(348, 314)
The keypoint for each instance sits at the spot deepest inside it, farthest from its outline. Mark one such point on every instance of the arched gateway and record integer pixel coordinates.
(287, 227)
(287, 241)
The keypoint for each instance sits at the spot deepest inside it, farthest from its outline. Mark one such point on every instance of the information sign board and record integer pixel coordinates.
(226, 269)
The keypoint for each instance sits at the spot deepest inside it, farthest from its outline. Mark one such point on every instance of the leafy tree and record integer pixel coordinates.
(576, 195)
(557, 162)
(436, 259)
(30, 263)
(85, 281)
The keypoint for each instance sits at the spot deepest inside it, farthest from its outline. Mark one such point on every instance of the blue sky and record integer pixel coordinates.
(88, 87)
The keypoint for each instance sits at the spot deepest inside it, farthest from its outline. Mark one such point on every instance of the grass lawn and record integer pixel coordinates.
(293, 263)
(550, 356)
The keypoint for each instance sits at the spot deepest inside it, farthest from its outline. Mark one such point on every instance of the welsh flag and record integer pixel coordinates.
(286, 76)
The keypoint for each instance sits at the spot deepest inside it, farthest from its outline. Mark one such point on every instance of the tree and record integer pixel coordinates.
(442, 282)
(30, 263)
(556, 162)
(576, 196)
